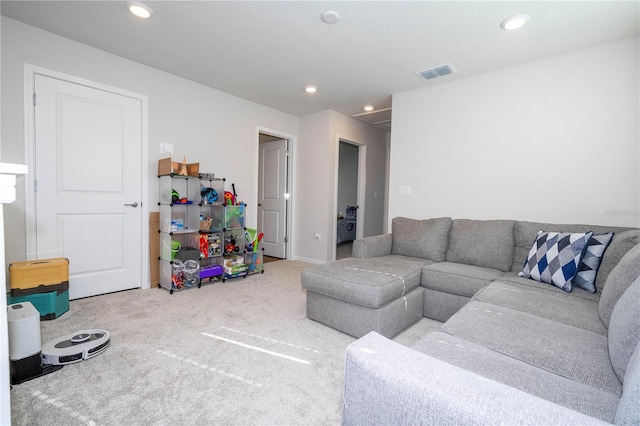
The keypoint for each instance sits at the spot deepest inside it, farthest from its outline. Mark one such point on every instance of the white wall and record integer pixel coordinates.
(555, 140)
(208, 126)
(315, 183)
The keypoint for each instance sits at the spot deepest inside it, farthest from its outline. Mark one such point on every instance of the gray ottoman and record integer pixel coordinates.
(357, 296)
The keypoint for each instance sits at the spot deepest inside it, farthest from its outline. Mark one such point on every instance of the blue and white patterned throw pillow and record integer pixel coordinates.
(588, 269)
(554, 258)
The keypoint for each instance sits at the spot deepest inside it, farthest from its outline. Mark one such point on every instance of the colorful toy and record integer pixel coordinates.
(230, 245)
(204, 246)
(252, 240)
(257, 241)
(229, 198)
(214, 245)
(177, 274)
(175, 197)
(191, 273)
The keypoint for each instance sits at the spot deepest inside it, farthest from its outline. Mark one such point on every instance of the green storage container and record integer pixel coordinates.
(50, 304)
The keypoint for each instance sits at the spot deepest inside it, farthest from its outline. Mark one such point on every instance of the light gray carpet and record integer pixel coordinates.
(238, 353)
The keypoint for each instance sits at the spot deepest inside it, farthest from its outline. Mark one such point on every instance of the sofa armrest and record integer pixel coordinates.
(374, 246)
(387, 383)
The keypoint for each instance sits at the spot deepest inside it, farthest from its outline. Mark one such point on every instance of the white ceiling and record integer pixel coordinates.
(268, 51)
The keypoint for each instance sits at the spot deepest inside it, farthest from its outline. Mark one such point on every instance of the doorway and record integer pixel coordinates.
(85, 195)
(348, 222)
(274, 194)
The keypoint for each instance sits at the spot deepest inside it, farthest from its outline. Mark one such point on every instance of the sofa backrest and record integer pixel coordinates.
(628, 411)
(525, 234)
(618, 281)
(624, 328)
(426, 239)
(622, 242)
(487, 243)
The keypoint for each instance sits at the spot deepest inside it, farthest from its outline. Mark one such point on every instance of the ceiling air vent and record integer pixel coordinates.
(435, 72)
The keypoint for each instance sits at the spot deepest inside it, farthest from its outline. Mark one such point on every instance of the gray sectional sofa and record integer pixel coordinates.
(510, 349)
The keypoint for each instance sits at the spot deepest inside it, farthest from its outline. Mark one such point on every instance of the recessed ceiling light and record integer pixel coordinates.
(514, 22)
(311, 89)
(368, 107)
(139, 9)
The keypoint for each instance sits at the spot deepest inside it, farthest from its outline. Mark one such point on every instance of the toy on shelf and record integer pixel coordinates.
(253, 260)
(230, 245)
(214, 245)
(176, 199)
(191, 270)
(177, 274)
(175, 248)
(204, 246)
(229, 199)
(209, 195)
(211, 273)
(235, 267)
(252, 241)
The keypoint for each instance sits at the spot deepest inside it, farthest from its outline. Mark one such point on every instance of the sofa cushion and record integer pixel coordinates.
(513, 278)
(457, 278)
(554, 258)
(520, 375)
(590, 263)
(622, 242)
(624, 329)
(373, 246)
(487, 243)
(372, 282)
(426, 239)
(525, 232)
(552, 346)
(628, 411)
(573, 311)
(620, 278)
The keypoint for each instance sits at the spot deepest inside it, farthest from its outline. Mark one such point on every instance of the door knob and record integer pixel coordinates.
(259, 204)
(134, 204)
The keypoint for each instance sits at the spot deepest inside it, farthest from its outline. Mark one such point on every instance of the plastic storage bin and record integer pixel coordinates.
(254, 261)
(50, 304)
(234, 217)
(27, 277)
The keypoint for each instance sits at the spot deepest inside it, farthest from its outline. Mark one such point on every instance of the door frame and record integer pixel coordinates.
(29, 73)
(289, 209)
(362, 182)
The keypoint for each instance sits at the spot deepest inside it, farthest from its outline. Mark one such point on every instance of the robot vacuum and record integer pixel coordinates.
(75, 347)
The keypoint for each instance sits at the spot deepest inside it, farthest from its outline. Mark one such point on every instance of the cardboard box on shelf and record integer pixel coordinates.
(166, 167)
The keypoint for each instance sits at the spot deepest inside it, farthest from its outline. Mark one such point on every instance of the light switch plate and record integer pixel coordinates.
(166, 148)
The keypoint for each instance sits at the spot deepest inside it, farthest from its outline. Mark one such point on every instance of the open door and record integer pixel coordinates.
(348, 198)
(273, 195)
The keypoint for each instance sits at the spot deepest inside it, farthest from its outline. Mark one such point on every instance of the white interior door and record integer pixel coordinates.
(272, 204)
(88, 145)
